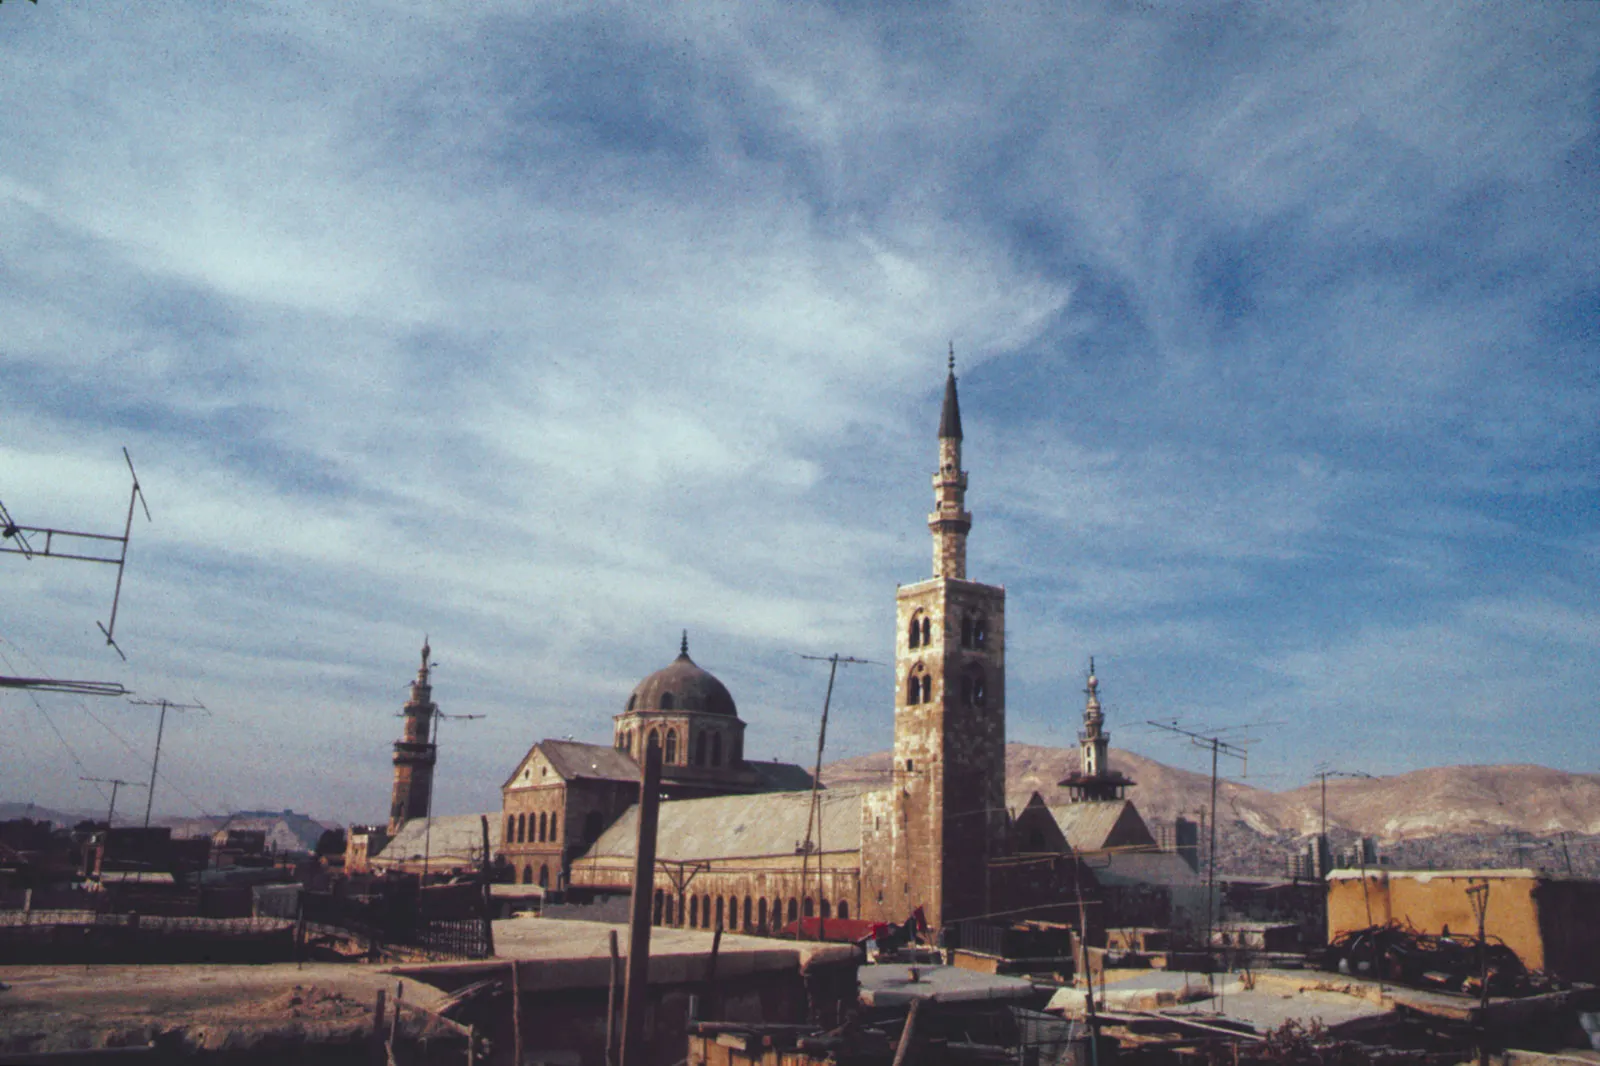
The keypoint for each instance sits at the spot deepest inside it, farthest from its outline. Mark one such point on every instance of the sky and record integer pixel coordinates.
(551, 331)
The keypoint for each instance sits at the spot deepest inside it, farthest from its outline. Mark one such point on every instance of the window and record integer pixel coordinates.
(761, 912)
(694, 912)
(927, 630)
(844, 909)
(913, 690)
(544, 876)
(794, 910)
(927, 688)
(700, 749)
(527, 874)
(972, 687)
(980, 632)
(666, 701)
(511, 830)
(827, 909)
(716, 749)
(543, 826)
(966, 631)
(806, 909)
(719, 914)
(655, 910)
(669, 910)
(747, 911)
(671, 753)
(914, 634)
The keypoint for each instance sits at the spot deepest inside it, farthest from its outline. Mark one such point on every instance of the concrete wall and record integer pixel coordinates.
(1432, 901)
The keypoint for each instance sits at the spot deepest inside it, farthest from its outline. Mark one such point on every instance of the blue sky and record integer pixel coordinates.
(550, 332)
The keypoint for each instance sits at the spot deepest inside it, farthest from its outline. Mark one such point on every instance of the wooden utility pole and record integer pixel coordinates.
(637, 990)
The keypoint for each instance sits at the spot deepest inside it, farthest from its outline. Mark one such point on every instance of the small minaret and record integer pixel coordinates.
(1094, 780)
(950, 521)
(414, 752)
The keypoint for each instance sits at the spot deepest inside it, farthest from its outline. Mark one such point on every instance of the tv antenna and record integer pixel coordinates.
(814, 814)
(1218, 747)
(81, 546)
(115, 783)
(161, 726)
(427, 832)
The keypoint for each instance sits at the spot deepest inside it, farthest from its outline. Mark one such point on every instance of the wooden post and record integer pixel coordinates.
(903, 1049)
(612, 991)
(394, 1019)
(516, 1015)
(488, 895)
(472, 1047)
(377, 1025)
(712, 1007)
(637, 991)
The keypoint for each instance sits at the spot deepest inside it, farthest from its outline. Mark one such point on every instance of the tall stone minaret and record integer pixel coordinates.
(414, 752)
(950, 521)
(946, 812)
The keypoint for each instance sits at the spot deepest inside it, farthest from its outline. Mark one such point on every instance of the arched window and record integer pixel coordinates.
(972, 687)
(666, 701)
(544, 826)
(522, 829)
(654, 740)
(980, 632)
(511, 829)
(914, 634)
(527, 874)
(700, 749)
(827, 909)
(794, 910)
(747, 912)
(844, 909)
(670, 753)
(544, 876)
(927, 630)
(927, 688)
(694, 912)
(716, 749)
(966, 631)
(655, 910)
(555, 828)
(979, 688)
(733, 912)
(913, 690)
(807, 908)
(669, 910)
(761, 913)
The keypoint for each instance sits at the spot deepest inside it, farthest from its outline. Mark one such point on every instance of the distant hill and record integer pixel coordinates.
(1534, 800)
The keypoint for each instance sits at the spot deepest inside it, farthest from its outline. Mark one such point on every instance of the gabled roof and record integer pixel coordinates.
(572, 760)
(1101, 824)
(729, 827)
(451, 836)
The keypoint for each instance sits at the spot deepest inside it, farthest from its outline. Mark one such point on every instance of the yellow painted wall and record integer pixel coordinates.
(1428, 902)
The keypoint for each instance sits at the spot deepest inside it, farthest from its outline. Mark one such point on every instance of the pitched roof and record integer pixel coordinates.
(1099, 824)
(451, 836)
(727, 827)
(573, 760)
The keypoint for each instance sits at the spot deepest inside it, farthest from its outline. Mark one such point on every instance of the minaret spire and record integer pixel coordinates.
(1094, 780)
(950, 520)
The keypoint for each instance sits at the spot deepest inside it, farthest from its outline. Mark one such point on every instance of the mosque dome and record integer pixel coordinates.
(682, 686)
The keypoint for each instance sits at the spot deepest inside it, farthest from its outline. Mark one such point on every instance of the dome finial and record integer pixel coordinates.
(952, 357)
(683, 648)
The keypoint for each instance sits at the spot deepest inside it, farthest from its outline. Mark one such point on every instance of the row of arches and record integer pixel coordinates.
(735, 912)
(544, 875)
(974, 686)
(974, 630)
(525, 829)
(707, 749)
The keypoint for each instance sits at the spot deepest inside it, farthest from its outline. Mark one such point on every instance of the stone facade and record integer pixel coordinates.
(415, 753)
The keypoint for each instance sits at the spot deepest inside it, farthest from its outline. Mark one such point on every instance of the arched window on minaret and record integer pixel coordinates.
(927, 630)
(914, 633)
(980, 631)
(913, 689)
(973, 686)
(927, 688)
(966, 631)
(716, 749)
(670, 752)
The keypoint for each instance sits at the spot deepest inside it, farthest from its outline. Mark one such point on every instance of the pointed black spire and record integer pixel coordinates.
(683, 648)
(950, 417)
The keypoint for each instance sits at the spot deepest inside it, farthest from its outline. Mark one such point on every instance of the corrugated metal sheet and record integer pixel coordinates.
(726, 827)
(1089, 826)
(453, 836)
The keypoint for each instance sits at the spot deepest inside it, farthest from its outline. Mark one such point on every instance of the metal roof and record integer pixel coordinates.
(573, 760)
(1093, 825)
(452, 836)
(727, 827)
